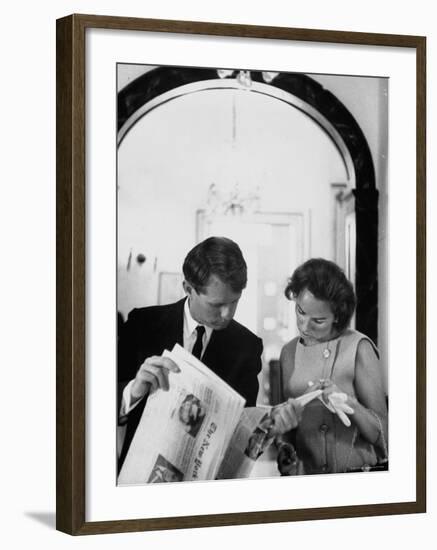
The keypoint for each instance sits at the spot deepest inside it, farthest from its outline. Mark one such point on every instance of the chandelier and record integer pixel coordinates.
(235, 200)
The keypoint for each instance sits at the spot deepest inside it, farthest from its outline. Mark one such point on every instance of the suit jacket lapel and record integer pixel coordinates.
(215, 356)
(173, 325)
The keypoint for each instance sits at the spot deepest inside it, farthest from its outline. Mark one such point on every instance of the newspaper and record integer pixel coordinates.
(249, 441)
(197, 430)
(252, 437)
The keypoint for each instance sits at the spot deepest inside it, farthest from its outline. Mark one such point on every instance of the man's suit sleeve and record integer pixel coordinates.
(128, 359)
(131, 355)
(251, 370)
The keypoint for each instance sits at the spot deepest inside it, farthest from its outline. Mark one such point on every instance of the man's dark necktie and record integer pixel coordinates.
(197, 349)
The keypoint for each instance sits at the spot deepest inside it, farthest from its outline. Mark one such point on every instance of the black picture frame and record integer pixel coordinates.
(71, 272)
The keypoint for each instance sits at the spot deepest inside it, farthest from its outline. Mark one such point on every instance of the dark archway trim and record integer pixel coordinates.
(163, 79)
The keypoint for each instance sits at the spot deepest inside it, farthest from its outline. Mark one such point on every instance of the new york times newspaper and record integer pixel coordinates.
(184, 433)
(198, 430)
(248, 442)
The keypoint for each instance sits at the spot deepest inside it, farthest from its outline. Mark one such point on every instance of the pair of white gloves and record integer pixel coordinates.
(336, 402)
(286, 416)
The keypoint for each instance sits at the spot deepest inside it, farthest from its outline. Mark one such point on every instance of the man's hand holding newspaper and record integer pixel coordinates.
(198, 428)
(152, 375)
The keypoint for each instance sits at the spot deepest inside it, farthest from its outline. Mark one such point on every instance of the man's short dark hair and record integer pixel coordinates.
(327, 282)
(217, 256)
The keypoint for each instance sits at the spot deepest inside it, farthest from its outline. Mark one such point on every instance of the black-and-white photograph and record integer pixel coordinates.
(252, 255)
(191, 414)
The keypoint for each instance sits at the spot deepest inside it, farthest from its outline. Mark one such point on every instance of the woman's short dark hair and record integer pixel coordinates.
(327, 282)
(217, 256)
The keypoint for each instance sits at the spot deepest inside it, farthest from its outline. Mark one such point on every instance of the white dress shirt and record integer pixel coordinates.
(189, 339)
(190, 333)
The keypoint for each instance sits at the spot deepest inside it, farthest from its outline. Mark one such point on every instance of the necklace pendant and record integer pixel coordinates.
(326, 353)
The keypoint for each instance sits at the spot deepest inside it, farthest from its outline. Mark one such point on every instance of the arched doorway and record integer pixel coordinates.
(163, 84)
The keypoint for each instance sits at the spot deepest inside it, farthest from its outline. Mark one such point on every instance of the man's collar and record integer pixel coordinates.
(191, 324)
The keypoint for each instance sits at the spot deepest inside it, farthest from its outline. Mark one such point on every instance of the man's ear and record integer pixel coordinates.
(187, 288)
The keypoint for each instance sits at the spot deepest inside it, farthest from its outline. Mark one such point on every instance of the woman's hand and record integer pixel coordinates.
(286, 417)
(337, 401)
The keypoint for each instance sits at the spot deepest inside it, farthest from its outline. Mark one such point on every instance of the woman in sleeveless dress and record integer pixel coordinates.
(345, 428)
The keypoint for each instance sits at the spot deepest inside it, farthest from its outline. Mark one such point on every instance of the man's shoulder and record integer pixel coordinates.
(238, 330)
(155, 312)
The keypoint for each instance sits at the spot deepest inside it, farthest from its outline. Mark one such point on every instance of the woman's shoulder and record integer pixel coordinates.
(289, 349)
(359, 341)
(353, 335)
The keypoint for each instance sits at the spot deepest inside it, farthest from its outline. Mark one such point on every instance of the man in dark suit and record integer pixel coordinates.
(215, 275)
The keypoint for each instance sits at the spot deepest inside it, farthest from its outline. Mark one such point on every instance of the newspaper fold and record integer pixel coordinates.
(197, 430)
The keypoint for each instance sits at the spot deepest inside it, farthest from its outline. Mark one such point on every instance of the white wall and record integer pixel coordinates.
(366, 99)
(28, 283)
(171, 156)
